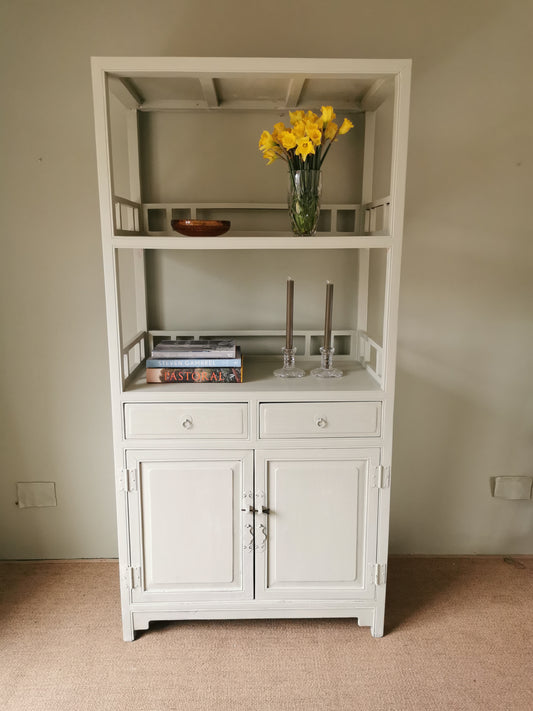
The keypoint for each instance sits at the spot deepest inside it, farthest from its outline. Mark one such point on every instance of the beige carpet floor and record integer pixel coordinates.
(458, 636)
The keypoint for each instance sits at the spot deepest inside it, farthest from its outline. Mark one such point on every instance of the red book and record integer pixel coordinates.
(194, 375)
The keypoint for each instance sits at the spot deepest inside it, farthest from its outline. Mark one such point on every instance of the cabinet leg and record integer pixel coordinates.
(377, 628)
(128, 632)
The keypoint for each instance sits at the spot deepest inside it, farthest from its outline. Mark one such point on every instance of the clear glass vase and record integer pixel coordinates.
(305, 187)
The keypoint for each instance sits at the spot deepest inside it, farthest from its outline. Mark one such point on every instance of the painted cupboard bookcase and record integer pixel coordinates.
(268, 498)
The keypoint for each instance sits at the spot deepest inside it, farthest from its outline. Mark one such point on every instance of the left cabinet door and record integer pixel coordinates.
(188, 532)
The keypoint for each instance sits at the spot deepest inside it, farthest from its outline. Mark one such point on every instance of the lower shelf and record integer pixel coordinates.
(259, 378)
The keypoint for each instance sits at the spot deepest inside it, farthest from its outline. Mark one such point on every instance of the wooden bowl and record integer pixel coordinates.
(201, 228)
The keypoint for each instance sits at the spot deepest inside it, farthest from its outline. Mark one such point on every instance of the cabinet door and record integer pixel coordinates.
(318, 539)
(186, 525)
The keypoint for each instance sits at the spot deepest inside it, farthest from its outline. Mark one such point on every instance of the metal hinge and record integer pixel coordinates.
(132, 577)
(127, 480)
(379, 574)
(381, 477)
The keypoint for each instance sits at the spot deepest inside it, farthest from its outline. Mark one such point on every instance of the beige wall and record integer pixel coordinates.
(465, 407)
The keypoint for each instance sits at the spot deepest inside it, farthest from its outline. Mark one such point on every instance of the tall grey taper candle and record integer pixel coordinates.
(290, 307)
(329, 311)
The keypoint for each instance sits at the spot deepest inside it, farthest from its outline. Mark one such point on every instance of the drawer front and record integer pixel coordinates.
(186, 421)
(320, 419)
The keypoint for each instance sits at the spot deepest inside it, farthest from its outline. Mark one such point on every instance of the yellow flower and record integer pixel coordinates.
(313, 120)
(305, 147)
(331, 130)
(314, 133)
(299, 129)
(288, 140)
(270, 156)
(266, 141)
(310, 134)
(328, 114)
(345, 126)
(277, 131)
(296, 116)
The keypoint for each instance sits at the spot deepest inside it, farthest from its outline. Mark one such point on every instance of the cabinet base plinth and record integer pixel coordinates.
(366, 616)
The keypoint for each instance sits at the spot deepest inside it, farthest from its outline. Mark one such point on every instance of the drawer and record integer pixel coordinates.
(186, 420)
(320, 419)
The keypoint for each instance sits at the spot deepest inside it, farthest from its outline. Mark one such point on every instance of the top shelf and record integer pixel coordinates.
(253, 83)
(153, 113)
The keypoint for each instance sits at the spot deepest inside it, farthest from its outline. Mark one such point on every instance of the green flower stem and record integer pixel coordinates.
(304, 200)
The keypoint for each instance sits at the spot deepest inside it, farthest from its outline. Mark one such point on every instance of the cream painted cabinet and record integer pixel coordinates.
(270, 497)
(201, 524)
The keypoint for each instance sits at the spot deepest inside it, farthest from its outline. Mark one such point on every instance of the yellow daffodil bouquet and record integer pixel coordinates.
(304, 146)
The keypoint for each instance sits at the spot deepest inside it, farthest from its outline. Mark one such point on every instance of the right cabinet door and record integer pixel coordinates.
(316, 538)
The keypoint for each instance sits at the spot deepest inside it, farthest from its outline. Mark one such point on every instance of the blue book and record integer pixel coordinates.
(195, 362)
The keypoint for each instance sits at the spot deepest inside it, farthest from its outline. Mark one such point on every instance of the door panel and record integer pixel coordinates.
(187, 527)
(318, 539)
(315, 527)
(188, 503)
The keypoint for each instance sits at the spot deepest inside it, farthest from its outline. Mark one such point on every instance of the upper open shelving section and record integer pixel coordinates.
(182, 143)
(177, 138)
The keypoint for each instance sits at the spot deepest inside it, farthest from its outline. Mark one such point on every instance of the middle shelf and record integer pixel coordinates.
(264, 226)
(260, 380)
(265, 240)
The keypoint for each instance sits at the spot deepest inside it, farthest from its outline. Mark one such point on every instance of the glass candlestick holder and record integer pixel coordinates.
(289, 369)
(326, 369)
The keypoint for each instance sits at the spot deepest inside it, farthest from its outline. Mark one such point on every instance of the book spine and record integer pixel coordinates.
(172, 354)
(193, 363)
(194, 375)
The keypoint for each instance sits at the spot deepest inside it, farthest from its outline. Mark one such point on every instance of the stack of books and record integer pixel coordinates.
(195, 361)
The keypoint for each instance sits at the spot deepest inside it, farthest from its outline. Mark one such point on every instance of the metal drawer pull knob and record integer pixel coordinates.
(265, 510)
(186, 423)
(321, 422)
(250, 509)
